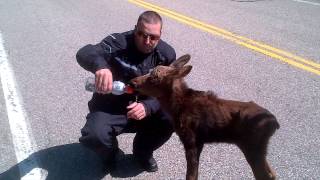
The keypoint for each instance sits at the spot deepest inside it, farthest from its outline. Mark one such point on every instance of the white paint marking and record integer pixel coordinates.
(22, 139)
(308, 2)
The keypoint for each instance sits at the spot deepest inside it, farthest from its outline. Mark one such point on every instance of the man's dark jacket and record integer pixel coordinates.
(118, 53)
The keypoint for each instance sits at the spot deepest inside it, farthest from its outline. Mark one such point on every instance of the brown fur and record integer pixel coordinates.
(201, 117)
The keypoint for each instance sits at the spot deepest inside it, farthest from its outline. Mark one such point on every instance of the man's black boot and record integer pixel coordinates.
(148, 164)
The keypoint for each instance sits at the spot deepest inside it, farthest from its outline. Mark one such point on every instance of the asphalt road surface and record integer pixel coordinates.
(264, 50)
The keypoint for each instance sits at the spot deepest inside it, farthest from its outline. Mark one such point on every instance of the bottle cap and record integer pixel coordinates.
(129, 90)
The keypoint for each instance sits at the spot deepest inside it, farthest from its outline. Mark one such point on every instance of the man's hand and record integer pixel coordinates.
(136, 111)
(104, 81)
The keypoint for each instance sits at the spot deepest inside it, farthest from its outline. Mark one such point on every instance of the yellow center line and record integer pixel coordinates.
(268, 50)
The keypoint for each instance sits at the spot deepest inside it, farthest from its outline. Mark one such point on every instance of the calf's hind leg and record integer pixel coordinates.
(256, 157)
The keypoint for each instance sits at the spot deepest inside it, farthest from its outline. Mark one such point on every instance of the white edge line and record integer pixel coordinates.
(307, 2)
(22, 140)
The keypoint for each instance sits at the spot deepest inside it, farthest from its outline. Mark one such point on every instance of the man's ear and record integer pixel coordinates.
(181, 61)
(182, 72)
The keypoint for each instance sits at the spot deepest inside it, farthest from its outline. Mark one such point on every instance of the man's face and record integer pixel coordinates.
(147, 36)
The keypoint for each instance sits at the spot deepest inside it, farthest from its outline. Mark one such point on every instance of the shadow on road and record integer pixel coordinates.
(73, 162)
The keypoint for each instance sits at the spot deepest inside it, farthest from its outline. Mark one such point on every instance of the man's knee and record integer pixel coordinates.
(160, 122)
(97, 131)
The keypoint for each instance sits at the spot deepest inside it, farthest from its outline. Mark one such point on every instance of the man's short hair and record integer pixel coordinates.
(150, 17)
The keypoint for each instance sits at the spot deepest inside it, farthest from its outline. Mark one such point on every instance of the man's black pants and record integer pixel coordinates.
(101, 129)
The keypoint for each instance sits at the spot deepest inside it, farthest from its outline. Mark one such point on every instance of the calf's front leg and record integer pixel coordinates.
(192, 164)
(193, 150)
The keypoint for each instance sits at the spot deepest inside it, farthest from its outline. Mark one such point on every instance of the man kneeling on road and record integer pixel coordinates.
(121, 57)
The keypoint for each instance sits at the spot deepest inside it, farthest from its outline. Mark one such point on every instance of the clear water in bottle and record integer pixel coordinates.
(118, 87)
(90, 84)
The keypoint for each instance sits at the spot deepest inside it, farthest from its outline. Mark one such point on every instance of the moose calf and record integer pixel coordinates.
(201, 117)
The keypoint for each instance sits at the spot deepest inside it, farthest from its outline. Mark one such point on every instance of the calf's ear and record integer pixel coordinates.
(185, 70)
(181, 61)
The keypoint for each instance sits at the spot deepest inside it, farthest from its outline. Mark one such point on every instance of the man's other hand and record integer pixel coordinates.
(104, 81)
(136, 111)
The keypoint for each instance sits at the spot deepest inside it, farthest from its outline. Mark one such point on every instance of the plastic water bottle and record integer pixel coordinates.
(118, 87)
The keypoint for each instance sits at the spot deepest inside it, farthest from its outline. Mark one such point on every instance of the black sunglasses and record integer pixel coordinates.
(146, 35)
